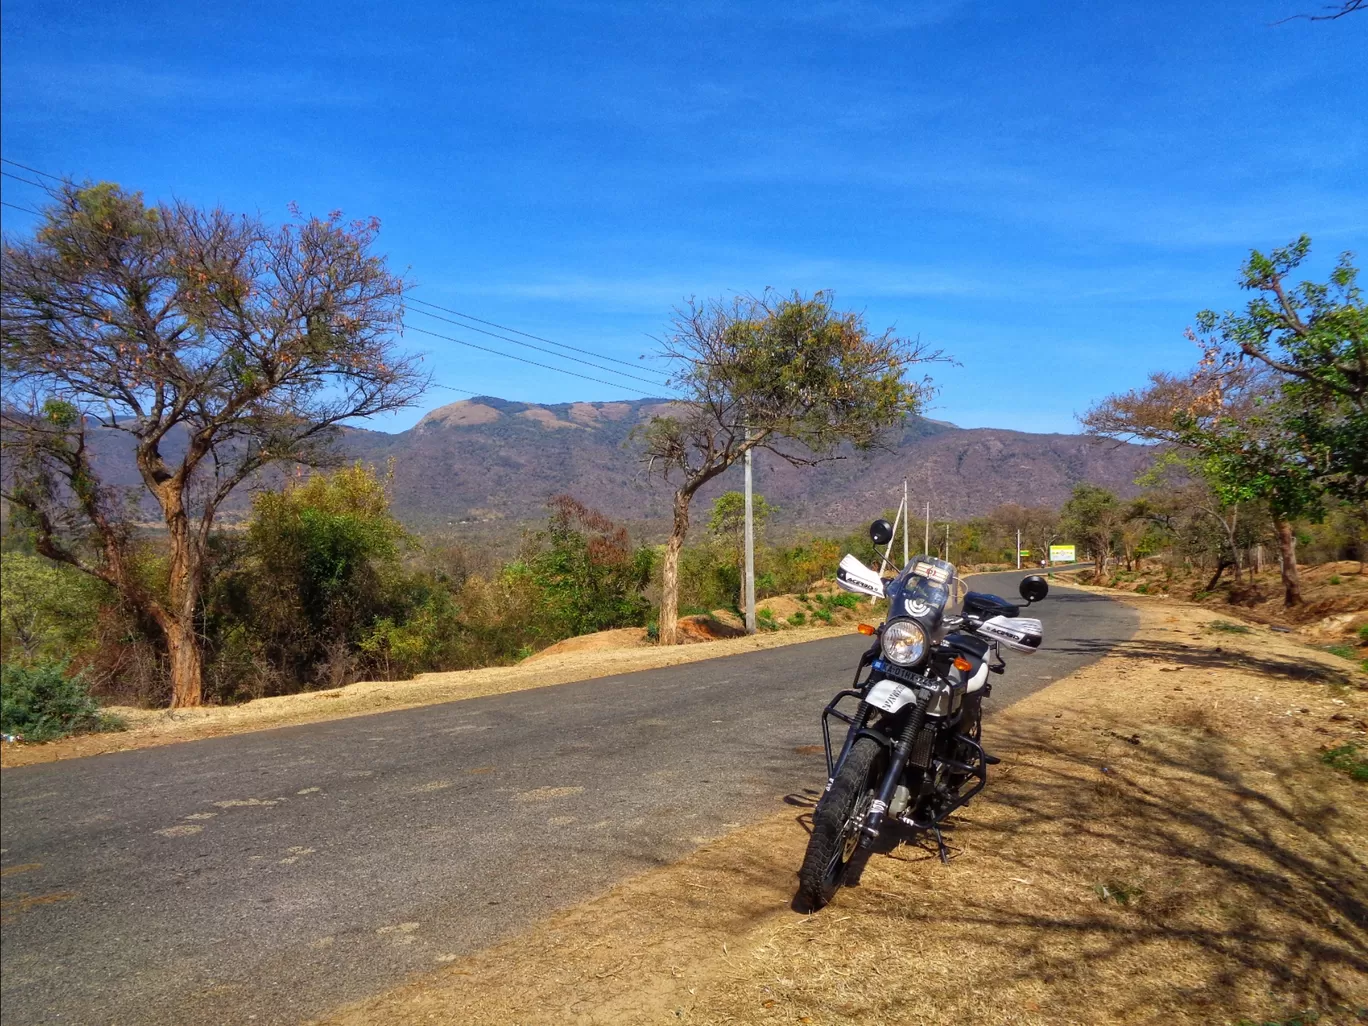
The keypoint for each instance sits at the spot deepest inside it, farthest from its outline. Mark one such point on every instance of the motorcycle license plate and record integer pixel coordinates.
(896, 672)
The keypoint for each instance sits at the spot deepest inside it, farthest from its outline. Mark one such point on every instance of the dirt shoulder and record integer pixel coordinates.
(148, 728)
(1163, 842)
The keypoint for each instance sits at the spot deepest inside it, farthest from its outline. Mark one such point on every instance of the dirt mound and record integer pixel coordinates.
(704, 627)
(623, 637)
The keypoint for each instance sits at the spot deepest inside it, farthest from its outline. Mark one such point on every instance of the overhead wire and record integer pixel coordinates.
(524, 334)
(551, 352)
(55, 178)
(26, 181)
(534, 363)
(450, 338)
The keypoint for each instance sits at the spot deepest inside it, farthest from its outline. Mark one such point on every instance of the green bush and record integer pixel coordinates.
(1142, 589)
(41, 703)
(1363, 633)
(1347, 759)
(1335, 579)
(798, 619)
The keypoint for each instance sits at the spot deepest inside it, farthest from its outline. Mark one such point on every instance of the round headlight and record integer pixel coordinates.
(904, 642)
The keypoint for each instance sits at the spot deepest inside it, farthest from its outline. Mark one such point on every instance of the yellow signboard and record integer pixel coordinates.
(1062, 554)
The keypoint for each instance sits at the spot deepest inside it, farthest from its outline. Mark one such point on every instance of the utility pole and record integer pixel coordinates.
(1018, 548)
(947, 541)
(907, 524)
(926, 543)
(749, 587)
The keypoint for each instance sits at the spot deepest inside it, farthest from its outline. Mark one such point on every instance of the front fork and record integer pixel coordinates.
(897, 762)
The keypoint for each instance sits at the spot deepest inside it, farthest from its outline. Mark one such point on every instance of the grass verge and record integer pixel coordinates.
(1166, 841)
(147, 728)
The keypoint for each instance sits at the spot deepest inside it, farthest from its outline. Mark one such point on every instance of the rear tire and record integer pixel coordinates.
(836, 825)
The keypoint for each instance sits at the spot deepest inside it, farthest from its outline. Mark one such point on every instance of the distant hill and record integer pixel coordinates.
(488, 459)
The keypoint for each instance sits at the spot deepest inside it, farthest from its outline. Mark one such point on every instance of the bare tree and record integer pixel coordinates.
(788, 374)
(1331, 12)
(215, 344)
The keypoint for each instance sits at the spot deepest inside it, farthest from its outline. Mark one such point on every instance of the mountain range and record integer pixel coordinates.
(487, 459)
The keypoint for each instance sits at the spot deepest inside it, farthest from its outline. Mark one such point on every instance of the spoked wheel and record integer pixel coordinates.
(836, 825)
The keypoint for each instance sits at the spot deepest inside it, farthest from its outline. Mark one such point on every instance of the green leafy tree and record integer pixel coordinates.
(322, 565)
(1095, 516)
(788, 374)
(1275, 412)
(592, 576)
(47, 609)
(1314, 338)
(212, 345)
(728, 524)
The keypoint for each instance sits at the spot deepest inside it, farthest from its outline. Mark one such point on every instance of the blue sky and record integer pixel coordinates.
(1046, 191)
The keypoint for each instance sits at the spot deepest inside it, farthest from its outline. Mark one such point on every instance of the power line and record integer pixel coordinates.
(524, 334)
(534, 363)
(449, 338)
(26, 181)
(550, 352)
(16, 163)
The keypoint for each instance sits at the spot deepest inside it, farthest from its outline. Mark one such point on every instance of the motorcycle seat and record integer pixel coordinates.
(985, 605)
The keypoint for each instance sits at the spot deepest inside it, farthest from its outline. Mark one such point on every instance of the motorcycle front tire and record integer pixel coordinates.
(836, 824)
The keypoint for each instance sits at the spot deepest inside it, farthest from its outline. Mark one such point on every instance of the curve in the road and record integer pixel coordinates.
(265, 877)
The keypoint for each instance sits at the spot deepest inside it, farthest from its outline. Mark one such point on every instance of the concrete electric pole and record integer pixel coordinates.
(907, 524)
(750, 547)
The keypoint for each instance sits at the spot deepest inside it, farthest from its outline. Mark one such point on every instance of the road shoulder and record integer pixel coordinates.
(149, 728)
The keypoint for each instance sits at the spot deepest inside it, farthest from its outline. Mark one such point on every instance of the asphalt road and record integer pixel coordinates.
(267, 877)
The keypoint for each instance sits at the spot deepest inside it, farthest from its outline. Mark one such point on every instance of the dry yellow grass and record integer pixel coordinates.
(1162, 844)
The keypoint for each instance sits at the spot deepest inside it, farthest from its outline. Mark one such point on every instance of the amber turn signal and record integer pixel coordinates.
(864, 628)
(963, 665)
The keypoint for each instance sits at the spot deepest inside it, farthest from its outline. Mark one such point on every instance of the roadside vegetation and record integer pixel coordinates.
(234, 360)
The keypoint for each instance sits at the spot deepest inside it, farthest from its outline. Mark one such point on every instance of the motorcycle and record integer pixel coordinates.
(913, 750)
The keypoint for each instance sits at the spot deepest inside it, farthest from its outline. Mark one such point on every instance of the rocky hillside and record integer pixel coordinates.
(488, 459)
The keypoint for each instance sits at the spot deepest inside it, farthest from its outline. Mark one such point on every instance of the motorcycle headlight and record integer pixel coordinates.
(904, 642)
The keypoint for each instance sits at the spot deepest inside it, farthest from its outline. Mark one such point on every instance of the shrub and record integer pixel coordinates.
(764, 619)
(1363, 633)
(41, 703)
(1228, 628)
(1142, 589)
(798, 619)
(1335, 579)
(1343, 651)
(1347, 759)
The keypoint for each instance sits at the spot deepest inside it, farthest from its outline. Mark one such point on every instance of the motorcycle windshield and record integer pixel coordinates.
(928, 590)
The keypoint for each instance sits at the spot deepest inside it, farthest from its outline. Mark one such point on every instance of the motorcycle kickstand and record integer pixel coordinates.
(940, 844)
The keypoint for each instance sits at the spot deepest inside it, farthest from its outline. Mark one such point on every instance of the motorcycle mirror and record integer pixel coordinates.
(1034, 588)
(881, 532)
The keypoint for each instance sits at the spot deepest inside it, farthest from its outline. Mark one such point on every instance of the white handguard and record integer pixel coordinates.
(1019, 633)
(852, 575)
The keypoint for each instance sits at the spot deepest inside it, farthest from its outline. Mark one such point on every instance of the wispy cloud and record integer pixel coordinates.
(87, 88)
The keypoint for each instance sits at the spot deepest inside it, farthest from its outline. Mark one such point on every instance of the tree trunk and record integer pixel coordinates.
(669, 584)
(183, 593)
(1287, 548)
(187, 664)
(1221, 564)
